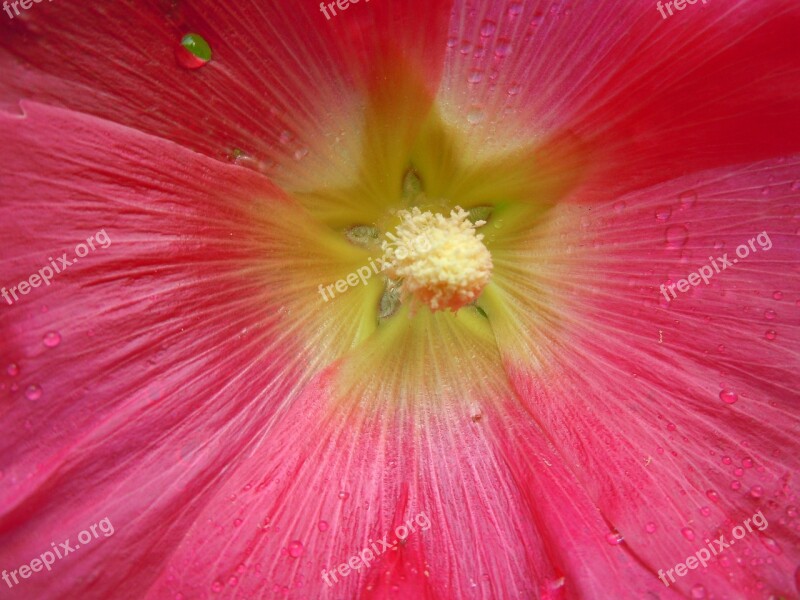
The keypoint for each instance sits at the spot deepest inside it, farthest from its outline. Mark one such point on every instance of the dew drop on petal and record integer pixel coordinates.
(676, 236)
(650, 527)
(770, 334)
(728, 397)
(503, 48)
(687, 199)
(688, 533)
(514, 89)
(216, 586)
(475, 76)
(778, 295)
(475, 115)
(52, 339)
(295, 549)
(344, 495)
(33, 392)
(614, 538)
(712, 495)
(769, 314)
(771, 545)
(193, 51)
(515, 9)
(698, 592)
(488, 27)
(756, 491)
(323, 525)
(735, 485)
(663, 213)
(705, 511)
(12, 369)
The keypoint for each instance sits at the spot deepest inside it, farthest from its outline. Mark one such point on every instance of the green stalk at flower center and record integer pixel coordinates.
(440, 261)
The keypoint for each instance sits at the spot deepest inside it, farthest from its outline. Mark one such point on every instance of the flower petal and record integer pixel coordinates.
(284, 85)
(145, 367)
(711, 86)
(677, 419)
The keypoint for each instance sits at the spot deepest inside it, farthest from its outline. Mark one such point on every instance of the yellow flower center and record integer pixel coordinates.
(440, 261)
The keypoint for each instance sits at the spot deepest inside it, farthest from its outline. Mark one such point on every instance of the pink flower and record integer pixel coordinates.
(188, 411)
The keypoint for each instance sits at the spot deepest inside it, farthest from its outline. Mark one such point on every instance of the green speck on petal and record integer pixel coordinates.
(197, 46)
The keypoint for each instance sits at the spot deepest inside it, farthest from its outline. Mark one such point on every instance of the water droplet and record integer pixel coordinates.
(778, 295)
(216, 586)
(233, 581)
(52, 339)
(323, 525)
(503, 48)
(514, 89)
(515, 9)
(736, 485)
(705, 511)
(688, 533)
(344, 495)
(295, 549)
(663, 213)
(13, 369)
(676, 236)
(687, 199)
(796, 186)
(475, 115)
(475, 76)
(728, 397)
(769, 314)
(33, 392)
(650, 527)
(487, 28)
(770, 334)
(756, 491)
(791, 511)
(237, 522)
(466, 47)
(614, 538)
(698, 592)
(193, 51)
(738, 471)
(771, 545)
(712, 495)
(300, 153)
(671, 427)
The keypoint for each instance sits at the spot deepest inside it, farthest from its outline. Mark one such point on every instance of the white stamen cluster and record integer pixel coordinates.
(441, 260)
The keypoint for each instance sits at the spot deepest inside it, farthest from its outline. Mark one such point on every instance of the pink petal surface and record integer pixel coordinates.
(636, 393)
(281, 78)
(178, 383)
